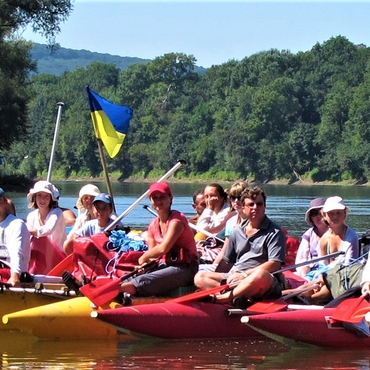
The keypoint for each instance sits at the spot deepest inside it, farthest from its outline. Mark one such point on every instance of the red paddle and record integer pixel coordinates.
(278, 304)
(350, 310)
(203, 293)
(101, 291)
(65, 265)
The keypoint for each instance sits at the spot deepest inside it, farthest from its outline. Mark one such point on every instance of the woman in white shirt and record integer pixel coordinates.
(47, 228)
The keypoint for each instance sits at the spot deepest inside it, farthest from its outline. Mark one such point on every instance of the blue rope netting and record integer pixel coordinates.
(120, 243)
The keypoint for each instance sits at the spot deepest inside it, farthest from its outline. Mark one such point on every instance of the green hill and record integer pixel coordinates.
(64, 59)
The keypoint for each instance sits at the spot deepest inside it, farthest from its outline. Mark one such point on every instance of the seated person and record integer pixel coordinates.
(310, 242)
(339, 236)
(47, 219)
(14, 241)
(169, 239)
(84, 205)
(102, 208)
(256, 249)
(214, 217)
(365, 281)
(68, 214)
(234, 197)
(198, 204)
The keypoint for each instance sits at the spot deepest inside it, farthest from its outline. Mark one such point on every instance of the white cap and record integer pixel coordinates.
(334, 203)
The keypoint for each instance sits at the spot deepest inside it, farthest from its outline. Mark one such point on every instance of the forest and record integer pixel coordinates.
(272, 115)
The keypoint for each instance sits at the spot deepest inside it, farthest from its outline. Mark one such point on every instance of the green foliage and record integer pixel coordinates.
(274, 115)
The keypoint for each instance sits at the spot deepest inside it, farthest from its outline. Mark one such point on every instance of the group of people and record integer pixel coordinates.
(249, 261)
(40, 242)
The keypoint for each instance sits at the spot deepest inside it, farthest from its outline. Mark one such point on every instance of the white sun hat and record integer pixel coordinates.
(42, 186)
(88, 189)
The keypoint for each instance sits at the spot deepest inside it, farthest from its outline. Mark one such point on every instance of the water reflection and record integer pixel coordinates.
(19, 351)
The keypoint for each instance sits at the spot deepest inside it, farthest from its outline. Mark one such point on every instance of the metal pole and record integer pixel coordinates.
(179, 163)
(107, 180)
(57, 124)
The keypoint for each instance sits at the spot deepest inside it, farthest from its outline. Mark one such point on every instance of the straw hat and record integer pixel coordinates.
(88, 189)
(42, 186)
(316, 203)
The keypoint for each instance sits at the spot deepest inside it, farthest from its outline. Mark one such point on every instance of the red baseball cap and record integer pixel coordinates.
(160, 187)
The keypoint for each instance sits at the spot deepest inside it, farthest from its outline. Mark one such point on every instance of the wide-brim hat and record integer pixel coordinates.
(42, 186)
(334, 204)
(88, 189)
(316, 203)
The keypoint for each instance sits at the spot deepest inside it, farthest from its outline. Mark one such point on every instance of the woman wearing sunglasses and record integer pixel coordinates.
(310, 242)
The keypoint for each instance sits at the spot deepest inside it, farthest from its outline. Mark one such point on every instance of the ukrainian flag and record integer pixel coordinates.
(110, 121)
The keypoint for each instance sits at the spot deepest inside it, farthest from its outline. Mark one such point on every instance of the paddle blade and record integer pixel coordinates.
(269, 306)
(65, 265)
(200, 294)
(348, 310)
(101, 291)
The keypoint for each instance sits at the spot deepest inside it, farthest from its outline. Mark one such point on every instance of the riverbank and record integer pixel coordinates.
(204, 182)
(15, 183)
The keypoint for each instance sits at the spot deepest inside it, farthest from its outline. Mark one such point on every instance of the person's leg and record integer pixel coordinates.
(254, 285)
(206, 280)
(162, 280)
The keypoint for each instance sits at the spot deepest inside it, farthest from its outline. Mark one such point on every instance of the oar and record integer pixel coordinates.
(351, 310)
(65, 265)
(101, 291)
(195, 227)
(203, 293)
(142, 197)
(313, 260)
(278, 304)
(206, 292)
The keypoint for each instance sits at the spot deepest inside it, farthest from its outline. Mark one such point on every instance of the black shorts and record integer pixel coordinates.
(274, 292)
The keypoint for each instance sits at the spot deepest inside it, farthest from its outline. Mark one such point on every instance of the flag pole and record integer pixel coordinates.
(57, 124)
(105, 169)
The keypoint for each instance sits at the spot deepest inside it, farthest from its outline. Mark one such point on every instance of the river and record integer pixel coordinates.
(286, 205)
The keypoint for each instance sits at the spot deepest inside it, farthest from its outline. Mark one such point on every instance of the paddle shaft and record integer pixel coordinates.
(195, 227)
(313, 260)
(142, 197)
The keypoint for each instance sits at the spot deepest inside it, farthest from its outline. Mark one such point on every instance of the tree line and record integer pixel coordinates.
(272, 115)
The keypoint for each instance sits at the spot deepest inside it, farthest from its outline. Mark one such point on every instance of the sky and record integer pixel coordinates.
(214, 32)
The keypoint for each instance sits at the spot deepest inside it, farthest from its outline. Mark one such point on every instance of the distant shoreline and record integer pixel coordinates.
(201, 181)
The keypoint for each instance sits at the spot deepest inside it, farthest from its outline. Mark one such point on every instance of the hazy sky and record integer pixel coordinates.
(212, 31)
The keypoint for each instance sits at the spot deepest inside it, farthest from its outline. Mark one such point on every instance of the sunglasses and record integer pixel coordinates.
(252, 204)
(315, 212)
(233, 198)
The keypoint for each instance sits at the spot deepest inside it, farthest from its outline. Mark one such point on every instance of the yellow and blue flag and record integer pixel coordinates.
(110, 121)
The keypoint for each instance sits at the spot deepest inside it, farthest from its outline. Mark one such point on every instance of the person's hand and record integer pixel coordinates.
(14, 282)
(211, 202)
(237, 277)
(366, 289)
(142, 259)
